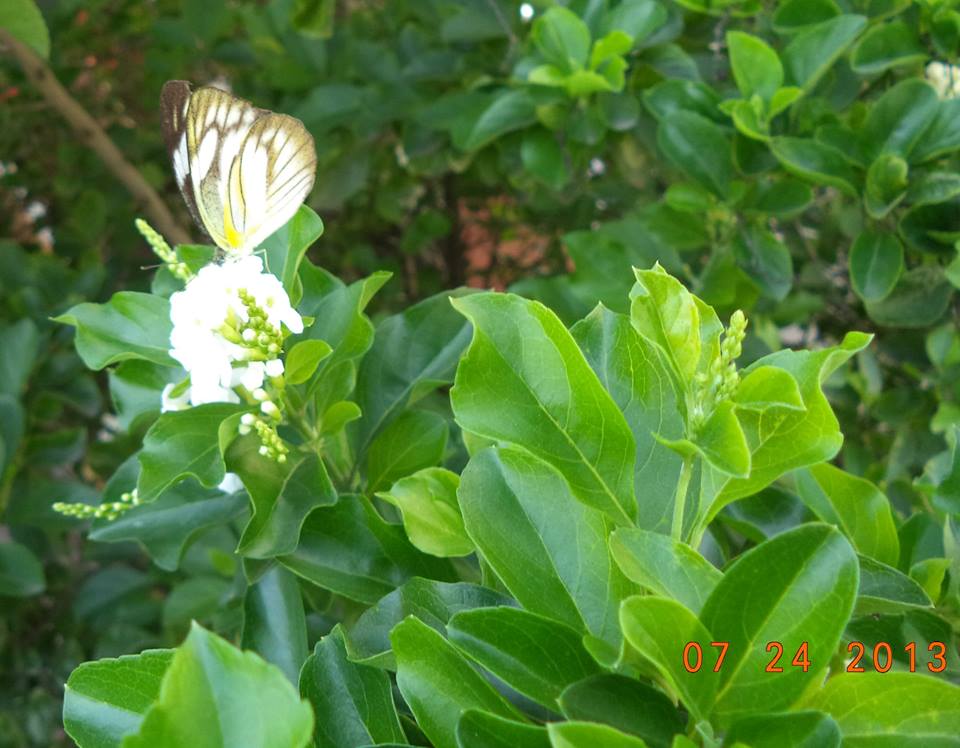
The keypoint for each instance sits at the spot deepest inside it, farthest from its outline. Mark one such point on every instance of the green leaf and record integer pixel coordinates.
(136, 387)
(855, 505)
(814, 50)
(431, 516)
(413, 353)
(286, 247)
(349, 549)
(353, 703)
(635, 374)
(883, 589)
(183, 443)
(765, 259)
(943, 134)
(303, 359)
(626, 704)
(587, 735)
(886, 709)
(660, 629)
(129, 326)
(21, 573)
(549, 550)
(414, 441)
(22, 18)
(919, 299)
(508, 110)
(876, 262)
(543, 157)
(756, 67)
(783, 440)
(282, 496)
(699, 148)
(899, 119)
(479, 729)
(166, 527)
(816, 162)
(637, 18)
(438, 684)
(432, 602)
(106, 700)
(20, 343)
(795, 15)
(806, 729)
(797, 587)
(562, 38)
(664, 566)
(768, 388)
(524, 381)
(935, 187)
(535, 656)
(214, 695)
(722, 443)
(885, 46)
(274, 625)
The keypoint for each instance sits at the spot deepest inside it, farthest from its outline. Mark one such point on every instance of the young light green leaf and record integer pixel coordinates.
(798, 587)
(722, 443)
(588, 734)
(438, 684)
(214, 696)
(660, 630)
(22, 18)
(883, 589)
(768, 388)
(352, 702)
(415, 440)
(524, 381)
(803, 729)
(562, 38)
(303, 359)
(129, 326)
(855, 505)
(535, 656)
(549, 550)
(756, 67)
(106, 700)
(664, 566)
(431, 516)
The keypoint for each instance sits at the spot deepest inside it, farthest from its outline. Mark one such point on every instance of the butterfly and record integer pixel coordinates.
(243, 171)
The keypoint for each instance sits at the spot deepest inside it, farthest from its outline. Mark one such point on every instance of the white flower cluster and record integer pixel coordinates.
(228, 331)
(945, 78)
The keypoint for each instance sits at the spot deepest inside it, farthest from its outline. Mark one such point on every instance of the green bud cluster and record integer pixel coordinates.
(109, 510)
(257, 333)
(271, 445)
(162, 250)
(720, 381)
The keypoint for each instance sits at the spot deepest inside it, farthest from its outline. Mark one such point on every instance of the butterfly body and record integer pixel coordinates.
(243, 171)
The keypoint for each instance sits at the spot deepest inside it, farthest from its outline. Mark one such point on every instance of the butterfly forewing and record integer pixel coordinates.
(243, 171)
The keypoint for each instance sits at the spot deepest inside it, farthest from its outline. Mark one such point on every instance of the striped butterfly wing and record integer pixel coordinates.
(174, 100)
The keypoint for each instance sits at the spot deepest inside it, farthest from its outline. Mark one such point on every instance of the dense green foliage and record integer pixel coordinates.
(504, 515)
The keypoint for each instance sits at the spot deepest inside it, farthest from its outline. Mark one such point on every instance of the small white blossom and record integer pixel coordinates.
(168, 401)
(274, 368)
(231, 483)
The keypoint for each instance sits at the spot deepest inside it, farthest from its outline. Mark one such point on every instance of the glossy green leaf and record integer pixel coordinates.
(876, 261)
(524, 381)
(816, 162)
(274, 625)
(660, 629)
(353, 703)
(282, 496)
(20, 343)
(943, 134)
(438, 684)
(549, 550)
(129, 326)
(431, 602)
(587, 735)
(543, 158)
(797, 587)
(183, 443)
(625, 703)
(795, 15)
(768, 388)
(919, 299)
(286, 247)
(413, 441)
(722, 443)
(22, 18)
(699, 148)
(562, 38)
(886, 709)
(814, 50)
(766, 260)
(535, 656)
(664, 566)
(479, 729)
(508, 110)
(212, 694)
(431, 516)
(349, 549)
(855, 505)
(802, 729)
(756, 67)
(21, 573)
(886, 46)
(106, 700)
(883, 589)
(899, 119)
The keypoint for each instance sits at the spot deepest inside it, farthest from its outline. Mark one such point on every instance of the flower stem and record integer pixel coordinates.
(680, 499)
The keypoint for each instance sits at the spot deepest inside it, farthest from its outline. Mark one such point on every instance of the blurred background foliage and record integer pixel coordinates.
(809, 179)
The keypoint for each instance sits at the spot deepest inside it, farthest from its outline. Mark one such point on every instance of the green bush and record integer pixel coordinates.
(532, 512)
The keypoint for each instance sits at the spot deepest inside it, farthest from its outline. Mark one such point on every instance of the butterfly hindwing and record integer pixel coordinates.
(243, 170)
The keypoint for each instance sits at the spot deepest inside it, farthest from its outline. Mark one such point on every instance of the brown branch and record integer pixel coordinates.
(92, 135)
